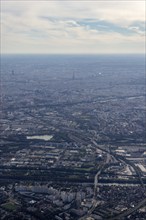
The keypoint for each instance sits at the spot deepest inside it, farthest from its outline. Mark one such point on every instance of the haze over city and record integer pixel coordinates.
(72, 110)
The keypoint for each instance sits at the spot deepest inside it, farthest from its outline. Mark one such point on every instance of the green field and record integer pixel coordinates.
(9, 206)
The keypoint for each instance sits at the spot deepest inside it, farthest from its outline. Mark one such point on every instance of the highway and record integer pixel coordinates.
(96, 189)
(122, 215)
(129, 211)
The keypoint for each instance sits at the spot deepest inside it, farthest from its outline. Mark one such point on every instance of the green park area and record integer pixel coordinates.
(10, 206)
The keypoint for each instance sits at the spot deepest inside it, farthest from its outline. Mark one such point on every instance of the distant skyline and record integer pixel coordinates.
(72, 27)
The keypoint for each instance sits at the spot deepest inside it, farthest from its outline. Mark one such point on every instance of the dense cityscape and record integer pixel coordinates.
(73, 143)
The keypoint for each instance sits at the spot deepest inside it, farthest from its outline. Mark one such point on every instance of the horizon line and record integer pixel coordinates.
(9, 54)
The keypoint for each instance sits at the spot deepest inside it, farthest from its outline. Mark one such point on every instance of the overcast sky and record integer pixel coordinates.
(73, 26)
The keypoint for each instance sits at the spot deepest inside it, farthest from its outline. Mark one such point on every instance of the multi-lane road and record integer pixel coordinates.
(121, 215)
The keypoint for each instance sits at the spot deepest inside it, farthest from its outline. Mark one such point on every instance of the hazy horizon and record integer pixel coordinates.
(74, 54)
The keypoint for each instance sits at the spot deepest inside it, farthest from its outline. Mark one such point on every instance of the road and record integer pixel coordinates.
(129, 211)
(96, 189)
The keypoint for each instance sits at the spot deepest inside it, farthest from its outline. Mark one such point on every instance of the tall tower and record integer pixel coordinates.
(12, 72)
(73, 76)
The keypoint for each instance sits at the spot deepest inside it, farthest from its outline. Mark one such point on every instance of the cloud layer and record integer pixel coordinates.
(73, 26)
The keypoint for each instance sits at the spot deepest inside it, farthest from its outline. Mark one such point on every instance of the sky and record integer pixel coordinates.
(72, 27)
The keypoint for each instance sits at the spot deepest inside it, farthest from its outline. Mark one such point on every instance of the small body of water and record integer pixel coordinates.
(40, 137)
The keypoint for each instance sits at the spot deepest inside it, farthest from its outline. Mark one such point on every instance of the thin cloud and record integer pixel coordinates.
(72, 27)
